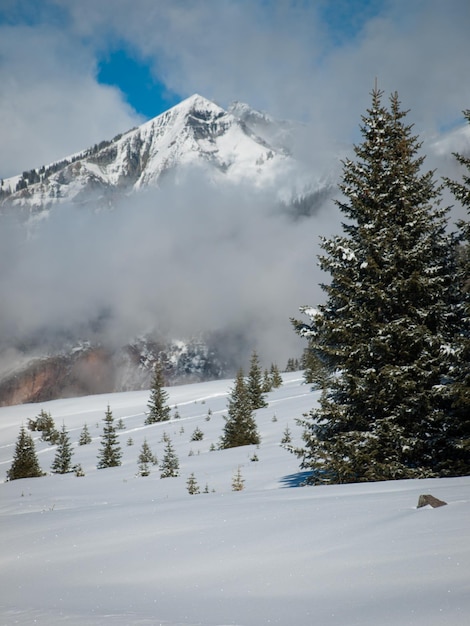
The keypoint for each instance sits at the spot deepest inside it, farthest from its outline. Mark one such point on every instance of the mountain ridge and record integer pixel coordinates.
(194, 133)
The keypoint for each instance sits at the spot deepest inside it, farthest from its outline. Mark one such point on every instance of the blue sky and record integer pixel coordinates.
(133, 76)
(74, 73)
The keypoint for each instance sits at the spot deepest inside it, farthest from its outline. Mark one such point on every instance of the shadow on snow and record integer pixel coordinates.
(299, 479)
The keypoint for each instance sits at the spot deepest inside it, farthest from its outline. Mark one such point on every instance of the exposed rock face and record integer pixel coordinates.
(95, 369)
(61, 376)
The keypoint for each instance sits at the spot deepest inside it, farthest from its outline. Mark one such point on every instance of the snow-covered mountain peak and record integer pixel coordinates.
(197, 102)
(229, 145)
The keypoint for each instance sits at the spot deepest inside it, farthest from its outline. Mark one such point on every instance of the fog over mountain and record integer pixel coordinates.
(200, 227)
(194, 225)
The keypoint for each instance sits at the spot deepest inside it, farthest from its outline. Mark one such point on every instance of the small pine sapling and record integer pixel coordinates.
(85, 437)
(267, 382)
(191, 485)
(276, 377)
(25, 462)
(254, 384)
(169, 467)
(110, 453)
(197, 435)
(240, 426)
(238, 483)
(78, 470)
(64, 453)
(159, 411)
(146, 459)
(286, 437)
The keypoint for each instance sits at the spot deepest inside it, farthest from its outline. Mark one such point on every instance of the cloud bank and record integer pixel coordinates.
(183, 260)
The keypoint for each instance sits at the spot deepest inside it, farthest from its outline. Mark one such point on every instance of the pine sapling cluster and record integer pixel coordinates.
(44, 423)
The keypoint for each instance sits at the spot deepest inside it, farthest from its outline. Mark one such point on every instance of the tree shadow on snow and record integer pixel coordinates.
(299, 479)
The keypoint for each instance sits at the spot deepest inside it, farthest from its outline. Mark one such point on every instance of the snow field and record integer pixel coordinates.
(114, 548)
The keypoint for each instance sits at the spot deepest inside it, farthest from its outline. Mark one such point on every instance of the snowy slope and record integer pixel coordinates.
(194, 134)
(113, 548)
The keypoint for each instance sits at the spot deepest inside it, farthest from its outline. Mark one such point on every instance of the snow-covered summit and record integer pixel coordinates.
(233, 145)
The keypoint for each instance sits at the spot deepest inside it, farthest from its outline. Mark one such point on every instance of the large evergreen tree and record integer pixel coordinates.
(159, 411)
(460, 375)
(63, 457)
(25, 462)
(110, 453)
(240, 426)
(380, 335)
(255, 384)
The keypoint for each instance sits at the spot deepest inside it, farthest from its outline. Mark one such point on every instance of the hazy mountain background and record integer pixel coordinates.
(191, 238)
(190, 234)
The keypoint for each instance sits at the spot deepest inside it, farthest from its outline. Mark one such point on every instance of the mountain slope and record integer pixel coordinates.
(195, 133)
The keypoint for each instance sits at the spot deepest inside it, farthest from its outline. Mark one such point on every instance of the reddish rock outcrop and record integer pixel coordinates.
(82, 373)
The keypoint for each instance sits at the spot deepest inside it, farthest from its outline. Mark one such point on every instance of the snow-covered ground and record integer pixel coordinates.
(115, 548)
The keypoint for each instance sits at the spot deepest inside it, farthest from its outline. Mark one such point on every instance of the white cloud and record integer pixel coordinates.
(180, 260)
(50, 102)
